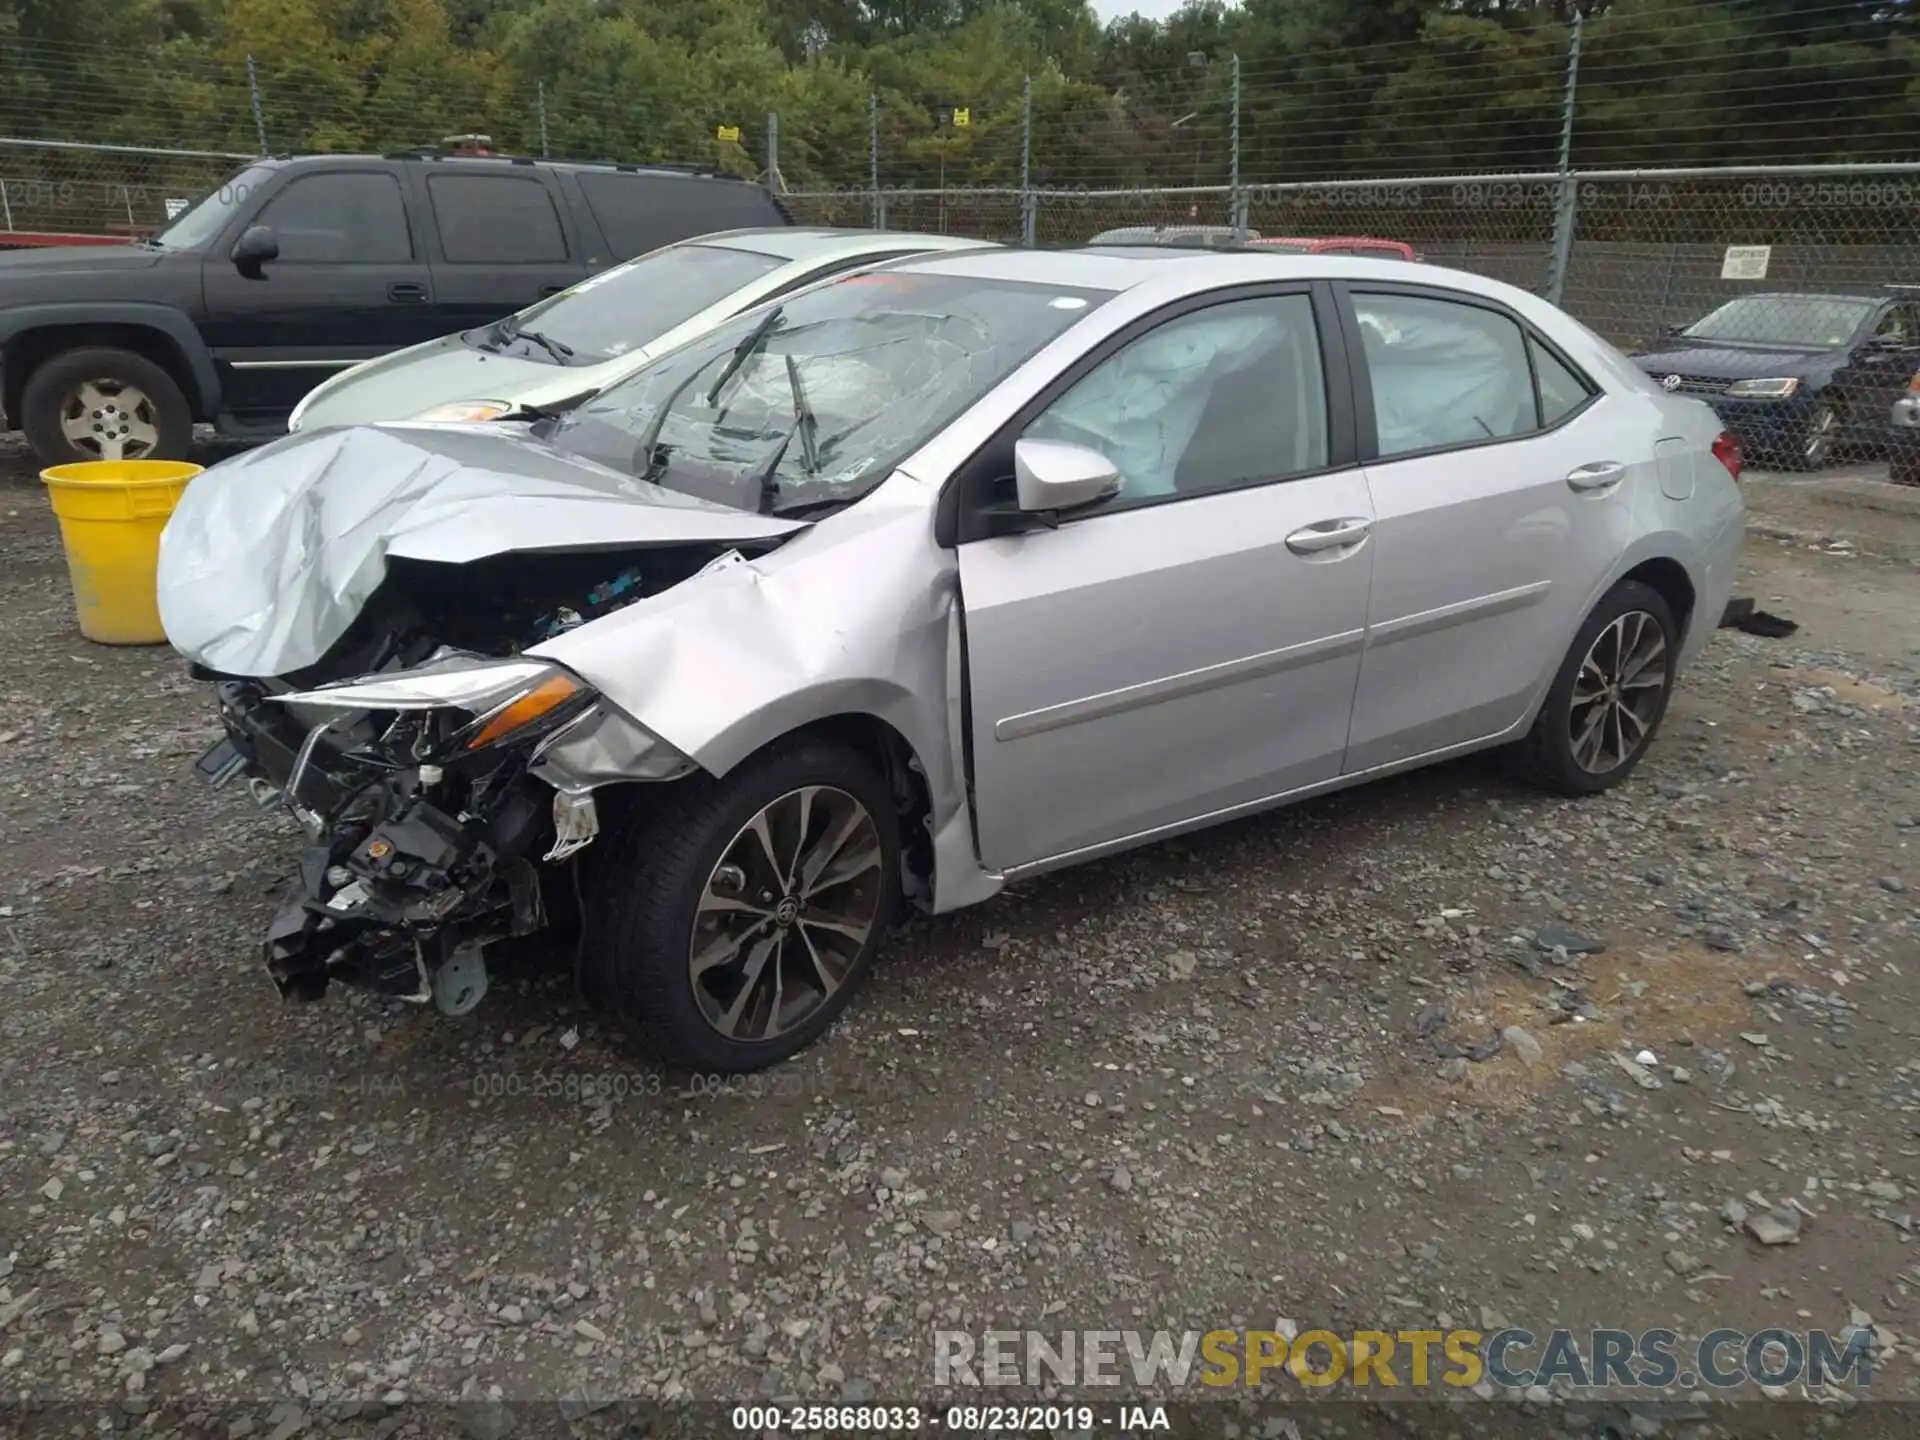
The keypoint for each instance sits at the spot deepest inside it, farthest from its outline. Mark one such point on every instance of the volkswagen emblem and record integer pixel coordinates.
(1671, 382)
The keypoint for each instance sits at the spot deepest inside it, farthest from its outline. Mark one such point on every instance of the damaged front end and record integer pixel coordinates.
(433, 798)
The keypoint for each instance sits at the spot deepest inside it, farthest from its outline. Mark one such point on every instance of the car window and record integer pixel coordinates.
(639, 213)
(1896, 325)
(634, 304)
(347, 217)
(202, 221)
(495, 220)
(1562, 391)
(1443, 373)
(1207, 401)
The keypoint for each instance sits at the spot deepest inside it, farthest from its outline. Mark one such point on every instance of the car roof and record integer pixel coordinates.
(1121, 267)
(1806, 295)
(813, 243)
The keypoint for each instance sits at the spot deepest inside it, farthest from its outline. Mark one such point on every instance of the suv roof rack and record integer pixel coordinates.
(636, 167)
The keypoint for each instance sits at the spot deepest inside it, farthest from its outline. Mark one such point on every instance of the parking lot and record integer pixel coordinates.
(1321, 1069)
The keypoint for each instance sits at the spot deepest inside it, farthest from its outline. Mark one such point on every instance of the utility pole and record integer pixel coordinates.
(1566, 210)
(1029, 218)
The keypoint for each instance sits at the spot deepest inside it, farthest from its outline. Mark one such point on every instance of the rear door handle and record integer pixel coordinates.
(1328, 535)
(406, 292)
(1597, 476)
(550, 290)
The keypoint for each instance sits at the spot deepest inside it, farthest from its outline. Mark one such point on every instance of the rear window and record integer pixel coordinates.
(496, 220)
(638, 213)
(633, 304)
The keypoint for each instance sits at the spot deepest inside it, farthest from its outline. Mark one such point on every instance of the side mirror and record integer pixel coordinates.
(1889, 342)
(1051, 476)
(1669, 331)
(253, 249)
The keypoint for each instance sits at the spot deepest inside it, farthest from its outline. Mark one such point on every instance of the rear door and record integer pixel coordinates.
(1502, 482)
(352, 282)
(640, 211)
(503, 241)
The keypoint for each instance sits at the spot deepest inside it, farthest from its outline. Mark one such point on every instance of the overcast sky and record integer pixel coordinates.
(1153, 9)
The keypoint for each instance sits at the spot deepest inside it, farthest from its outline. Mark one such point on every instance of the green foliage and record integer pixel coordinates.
(1328, 88)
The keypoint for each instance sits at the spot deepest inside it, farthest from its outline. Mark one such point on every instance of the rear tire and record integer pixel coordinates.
(102, 403)
(727, 960)
(1609, 696)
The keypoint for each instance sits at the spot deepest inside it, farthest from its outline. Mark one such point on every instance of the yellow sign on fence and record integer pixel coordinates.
(962, 118)
(730, 132)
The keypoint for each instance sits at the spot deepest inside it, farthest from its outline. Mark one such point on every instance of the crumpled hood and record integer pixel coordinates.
(404, 384)
(269, 556)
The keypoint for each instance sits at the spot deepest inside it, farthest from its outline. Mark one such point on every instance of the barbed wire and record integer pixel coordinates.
(1468, 96)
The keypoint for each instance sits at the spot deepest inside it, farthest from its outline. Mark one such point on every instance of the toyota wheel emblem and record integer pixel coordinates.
(1672, 382)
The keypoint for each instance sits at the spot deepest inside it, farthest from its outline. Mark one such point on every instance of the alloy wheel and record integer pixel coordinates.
(110, 420)
(1618, 692)
(786, 913)
(1819, 437)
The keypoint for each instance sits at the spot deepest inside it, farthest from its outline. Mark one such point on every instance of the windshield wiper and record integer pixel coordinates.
(505, 335)
(744, 351)
(764, 483)
(805, 423)
(644, 459)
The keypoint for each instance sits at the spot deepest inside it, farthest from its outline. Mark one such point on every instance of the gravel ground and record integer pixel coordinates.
(1325, 1068)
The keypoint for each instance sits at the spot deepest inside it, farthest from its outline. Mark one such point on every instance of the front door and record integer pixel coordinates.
(1191, 645)
(350, 284)
(1498, 508)
(1877, 374)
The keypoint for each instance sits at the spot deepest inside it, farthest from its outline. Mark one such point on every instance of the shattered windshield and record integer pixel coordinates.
(1809, 320)
(816, 400)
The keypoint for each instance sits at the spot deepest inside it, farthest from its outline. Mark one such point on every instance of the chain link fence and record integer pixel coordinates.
(56, 192)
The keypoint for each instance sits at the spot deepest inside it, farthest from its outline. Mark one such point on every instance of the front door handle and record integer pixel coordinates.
(1328, 535)
(1597, 476)
(406, 292)
(548, 291)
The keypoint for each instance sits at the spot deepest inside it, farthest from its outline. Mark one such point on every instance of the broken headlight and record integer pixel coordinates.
(510, 702)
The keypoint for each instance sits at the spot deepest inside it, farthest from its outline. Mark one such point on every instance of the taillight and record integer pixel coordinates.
(1913, 385)
(1726, 450)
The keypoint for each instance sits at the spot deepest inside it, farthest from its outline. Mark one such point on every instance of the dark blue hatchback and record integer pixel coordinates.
(1795, 376)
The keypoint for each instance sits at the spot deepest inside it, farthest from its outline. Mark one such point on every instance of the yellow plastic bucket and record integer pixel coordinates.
(111, 515)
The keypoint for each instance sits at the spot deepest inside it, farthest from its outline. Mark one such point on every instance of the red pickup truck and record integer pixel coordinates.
(1340, 245)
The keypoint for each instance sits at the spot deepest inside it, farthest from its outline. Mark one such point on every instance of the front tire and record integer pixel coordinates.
(1813, 446)
(102, 403)
(731, 920)
(1609, 696)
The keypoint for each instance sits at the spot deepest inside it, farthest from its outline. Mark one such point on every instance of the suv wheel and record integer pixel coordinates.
(104, 404)
(732, 920)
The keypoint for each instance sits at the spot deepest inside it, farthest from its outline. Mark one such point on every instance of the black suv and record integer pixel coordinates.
(294, 269)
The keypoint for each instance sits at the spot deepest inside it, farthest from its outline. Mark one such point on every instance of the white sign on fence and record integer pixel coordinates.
(1746, 262)
(177, 208)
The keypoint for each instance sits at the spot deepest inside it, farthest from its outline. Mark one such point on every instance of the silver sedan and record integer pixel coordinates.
(970, 568)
